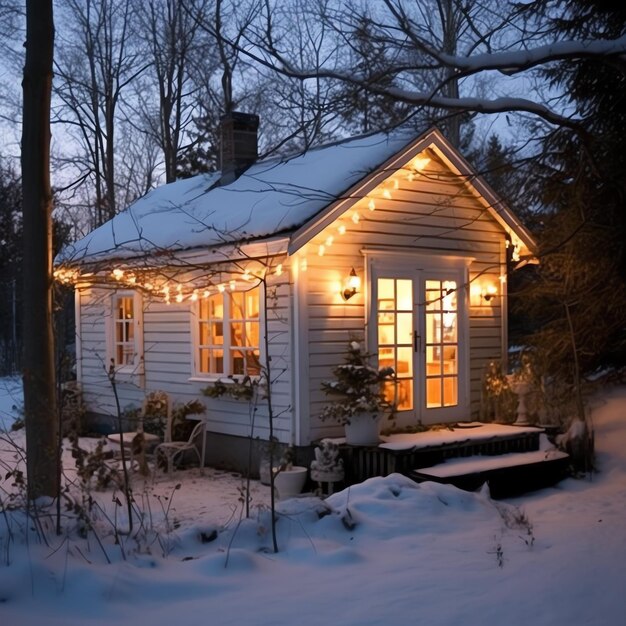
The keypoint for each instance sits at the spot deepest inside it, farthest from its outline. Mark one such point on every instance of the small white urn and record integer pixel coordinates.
(521, 388)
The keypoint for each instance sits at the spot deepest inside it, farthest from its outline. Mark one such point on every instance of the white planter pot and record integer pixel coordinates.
(289, 482)
(363, 430)
(264, 471)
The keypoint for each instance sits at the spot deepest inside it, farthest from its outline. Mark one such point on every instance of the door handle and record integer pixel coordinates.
(416, 341)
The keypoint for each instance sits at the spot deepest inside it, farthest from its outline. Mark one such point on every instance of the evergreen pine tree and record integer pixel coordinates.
(578, 292)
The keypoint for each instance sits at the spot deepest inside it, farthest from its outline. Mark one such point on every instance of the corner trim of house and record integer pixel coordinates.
(300, 377)
(78, 335)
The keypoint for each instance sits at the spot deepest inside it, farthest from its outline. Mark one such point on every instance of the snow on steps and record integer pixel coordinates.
(505, 474)
(493, 453)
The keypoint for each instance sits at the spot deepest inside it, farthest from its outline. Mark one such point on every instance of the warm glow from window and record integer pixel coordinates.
(124, 331)
(441, 343)
(395, 338)
(229, 334)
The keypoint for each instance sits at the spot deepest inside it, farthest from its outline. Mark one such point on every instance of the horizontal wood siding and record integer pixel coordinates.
(434, 214)
(167, 335)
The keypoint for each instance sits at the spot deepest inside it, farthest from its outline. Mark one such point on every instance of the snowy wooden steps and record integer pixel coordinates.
(506, 474)
(511, 459)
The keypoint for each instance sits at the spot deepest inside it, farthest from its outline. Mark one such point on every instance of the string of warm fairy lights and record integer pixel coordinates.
(170, 289)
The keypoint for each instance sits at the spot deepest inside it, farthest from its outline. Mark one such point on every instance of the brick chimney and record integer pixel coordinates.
(238, 144)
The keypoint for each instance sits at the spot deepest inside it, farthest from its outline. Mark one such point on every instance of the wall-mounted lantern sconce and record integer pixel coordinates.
(482, 294)
(489, 293)
(352, 284)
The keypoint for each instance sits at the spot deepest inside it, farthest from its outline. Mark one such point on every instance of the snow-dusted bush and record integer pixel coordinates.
(357, 388)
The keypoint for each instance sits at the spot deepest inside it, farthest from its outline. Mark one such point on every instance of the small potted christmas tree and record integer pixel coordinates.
(360, 401)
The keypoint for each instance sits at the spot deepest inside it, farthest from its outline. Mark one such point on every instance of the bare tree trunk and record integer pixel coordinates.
(580, 405)
(39, 377)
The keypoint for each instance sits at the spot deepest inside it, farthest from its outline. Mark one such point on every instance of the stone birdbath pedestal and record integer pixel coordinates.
(521, 388)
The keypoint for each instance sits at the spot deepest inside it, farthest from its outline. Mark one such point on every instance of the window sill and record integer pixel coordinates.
(223, 379)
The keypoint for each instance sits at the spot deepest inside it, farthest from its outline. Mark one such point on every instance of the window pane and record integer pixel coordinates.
(124, 308)
(217, 359)
(433, 361)
(433, 392)
(449, 295)
(211, 307)
(387, 358)
(236, 334)
(405, 395)
(449, 360)
(405, 295)
(405, 328)
(204, 364)
(229, 325)
(204, 333)
(237, 311)
(252, 334)
(217, 333)
(433, 295)
(405, 362)
(124, 330)
(386, 289)
(449, 391)
(386, 330)
(395, 338)
(237, 362)
(252, 304)
(441, 343)
(433, 334)
(449, 327)
(253, 363)
(389, 392)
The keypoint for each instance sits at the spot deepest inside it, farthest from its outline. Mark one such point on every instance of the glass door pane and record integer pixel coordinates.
(394, 312)
(441, 346)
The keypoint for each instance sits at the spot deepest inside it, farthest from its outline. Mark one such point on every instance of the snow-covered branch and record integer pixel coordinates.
(421, 61)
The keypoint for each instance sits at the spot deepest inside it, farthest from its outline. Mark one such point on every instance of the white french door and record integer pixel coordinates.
(419, 318)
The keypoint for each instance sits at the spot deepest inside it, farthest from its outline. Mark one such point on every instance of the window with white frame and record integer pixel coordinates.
(228, 334)
(125, 343)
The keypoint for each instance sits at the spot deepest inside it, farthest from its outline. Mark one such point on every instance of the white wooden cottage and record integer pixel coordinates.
(390, 238)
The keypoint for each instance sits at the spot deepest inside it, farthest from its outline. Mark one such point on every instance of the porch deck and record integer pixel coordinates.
(508, 457)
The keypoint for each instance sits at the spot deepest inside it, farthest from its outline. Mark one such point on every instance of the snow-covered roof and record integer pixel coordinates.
(292, 196)
(273, 196)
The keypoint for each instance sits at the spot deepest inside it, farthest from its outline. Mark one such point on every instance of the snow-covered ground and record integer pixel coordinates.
(11, 401)
(387, 551)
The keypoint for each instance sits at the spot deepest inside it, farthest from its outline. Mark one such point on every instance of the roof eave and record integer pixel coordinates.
(484, 192)
(262, 247)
